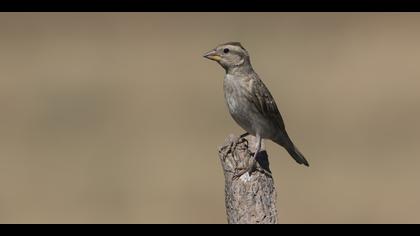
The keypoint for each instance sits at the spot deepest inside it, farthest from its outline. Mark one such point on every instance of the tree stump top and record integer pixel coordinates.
(250, 199)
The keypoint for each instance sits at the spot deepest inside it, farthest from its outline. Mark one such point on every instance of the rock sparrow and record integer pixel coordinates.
(249, 101)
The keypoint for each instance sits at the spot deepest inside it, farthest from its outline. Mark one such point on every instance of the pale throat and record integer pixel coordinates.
(242, 69)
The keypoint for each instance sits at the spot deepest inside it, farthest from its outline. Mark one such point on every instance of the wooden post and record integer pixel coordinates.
(248, 199)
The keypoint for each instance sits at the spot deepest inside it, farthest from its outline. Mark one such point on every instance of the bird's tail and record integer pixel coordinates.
(297, 155)
(292, 150)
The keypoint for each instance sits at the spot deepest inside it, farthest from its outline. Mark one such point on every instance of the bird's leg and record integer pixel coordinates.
(254, 157)
(252, 161)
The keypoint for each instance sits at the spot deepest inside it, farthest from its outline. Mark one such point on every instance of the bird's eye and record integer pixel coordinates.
(226, 50)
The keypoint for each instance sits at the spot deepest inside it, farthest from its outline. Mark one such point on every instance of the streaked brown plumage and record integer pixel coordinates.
(249, 101)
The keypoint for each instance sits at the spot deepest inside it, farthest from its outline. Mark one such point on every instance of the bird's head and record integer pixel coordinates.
(229, 55)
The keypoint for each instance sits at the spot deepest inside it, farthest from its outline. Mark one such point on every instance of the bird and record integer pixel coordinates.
(250, 103)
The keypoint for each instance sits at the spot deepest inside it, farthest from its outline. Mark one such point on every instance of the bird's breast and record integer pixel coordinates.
(233, 94)
(239, 106)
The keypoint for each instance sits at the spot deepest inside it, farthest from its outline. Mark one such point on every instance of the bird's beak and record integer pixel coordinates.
(213, 55)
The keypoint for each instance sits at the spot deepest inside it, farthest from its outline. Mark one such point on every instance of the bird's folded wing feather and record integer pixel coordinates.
(261, 97)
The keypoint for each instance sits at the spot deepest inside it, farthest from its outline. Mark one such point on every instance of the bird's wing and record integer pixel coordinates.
(264, 102)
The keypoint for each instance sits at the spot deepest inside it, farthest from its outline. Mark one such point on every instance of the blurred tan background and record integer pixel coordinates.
(116, 117)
